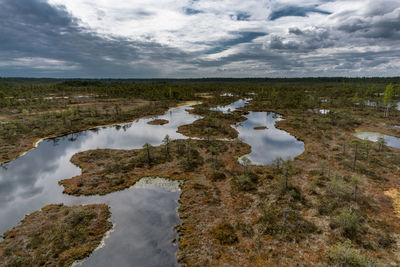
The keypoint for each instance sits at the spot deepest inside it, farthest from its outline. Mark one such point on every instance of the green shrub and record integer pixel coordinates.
(295, 194)
(327, 206)
(344, 255)
(349, 222)
(247, 182)
(338, 188)
(192, 158)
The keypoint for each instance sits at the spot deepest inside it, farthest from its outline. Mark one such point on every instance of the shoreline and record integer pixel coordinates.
(38, 140)
(100, 246)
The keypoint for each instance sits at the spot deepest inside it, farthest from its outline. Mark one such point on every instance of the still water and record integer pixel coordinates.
(267, 145)
(373, 136)
(143, 215)
(232, 107)
(144, 219)
(374, 104)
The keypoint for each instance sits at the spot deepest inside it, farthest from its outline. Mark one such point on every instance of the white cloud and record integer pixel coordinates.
(39, 63)
(186, 38)
(165, 21)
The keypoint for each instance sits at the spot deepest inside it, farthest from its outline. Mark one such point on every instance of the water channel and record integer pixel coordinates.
(143, 215)
(374, 136)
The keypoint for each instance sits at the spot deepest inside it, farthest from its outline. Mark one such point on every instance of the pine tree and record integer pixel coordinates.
(166, 142)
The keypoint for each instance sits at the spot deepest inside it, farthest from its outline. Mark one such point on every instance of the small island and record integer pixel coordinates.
(214, 124)
(109, 170)
(260, 128)
(158, 122)
(57, 235)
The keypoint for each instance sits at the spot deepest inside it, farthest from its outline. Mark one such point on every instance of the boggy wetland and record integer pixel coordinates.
(200, 173)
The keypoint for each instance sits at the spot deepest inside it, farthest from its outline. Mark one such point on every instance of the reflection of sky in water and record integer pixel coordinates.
(374, 104)
(372, 136)
(144, 218)
(370, 103)
(31, 181)
(232, 107)
(227, 94)
(267, 145)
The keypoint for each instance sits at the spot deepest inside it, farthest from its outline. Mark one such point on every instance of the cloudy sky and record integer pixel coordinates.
(199, 38)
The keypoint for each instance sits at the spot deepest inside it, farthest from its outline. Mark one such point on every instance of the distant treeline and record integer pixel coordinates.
(251, 80)
(183, 89)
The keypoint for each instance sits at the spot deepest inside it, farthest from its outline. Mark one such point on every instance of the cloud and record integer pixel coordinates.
(239, 38)
(39, 63)
(306, 40)
(191, 11)
(382, 24)
(241, 16)
(295, 11)
(187, 38)
(38, 35)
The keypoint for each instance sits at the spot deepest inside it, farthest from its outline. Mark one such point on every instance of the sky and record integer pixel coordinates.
(199, 38)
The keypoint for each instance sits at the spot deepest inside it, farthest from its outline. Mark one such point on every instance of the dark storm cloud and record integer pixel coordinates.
(306, 40)
(386, 26)
(381, 7)
(191, 11)
(253, 53)
(353, 63)
(199, 38)
(296, 31)
(296, 11)
(34, 29)
(242, 37)
(241, 16)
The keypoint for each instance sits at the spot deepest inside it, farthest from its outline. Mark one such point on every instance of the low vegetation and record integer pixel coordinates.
(260, 128)
(55, 236)
(20, 132)
(158, 122)
(343, 254)
(225, 234)
(214, 124)
(334, 205)
(106, 170)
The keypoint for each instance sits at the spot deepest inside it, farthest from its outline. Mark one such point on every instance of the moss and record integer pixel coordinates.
(215, 124)
(55, 236)
(107, 170)
(24, 132)
(225, 234)
(386, 240)
(285, 223)
(291, 219)
(395, 195)
(260, 128)
(158, 122)
(218, 176)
